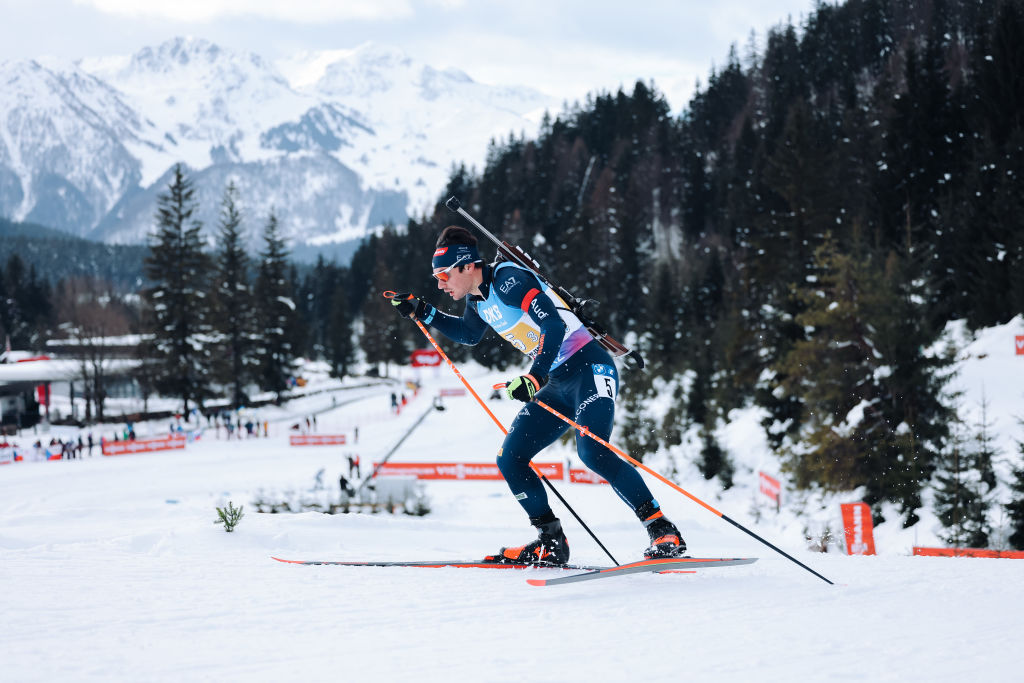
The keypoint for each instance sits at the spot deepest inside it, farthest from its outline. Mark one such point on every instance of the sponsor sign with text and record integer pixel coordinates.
(316, 440)
(461, 471)
(166, 443)
(860, 537)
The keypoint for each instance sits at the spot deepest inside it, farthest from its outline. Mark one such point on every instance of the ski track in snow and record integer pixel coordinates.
(112, 570)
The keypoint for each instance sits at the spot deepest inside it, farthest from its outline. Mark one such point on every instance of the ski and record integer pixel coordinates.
(459, 564)
(665, 565)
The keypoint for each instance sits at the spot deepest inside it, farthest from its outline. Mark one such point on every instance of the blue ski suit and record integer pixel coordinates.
(582, 380)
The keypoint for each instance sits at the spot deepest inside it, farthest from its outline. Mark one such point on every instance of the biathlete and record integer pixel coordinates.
(571, 372)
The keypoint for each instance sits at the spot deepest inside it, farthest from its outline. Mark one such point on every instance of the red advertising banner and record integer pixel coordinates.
(316, 440)
(770, 486)
(585, 477)
(968, 552)
(462, 471)
(166, 443)
(860, 530)
(1019, 342)
(425, 357)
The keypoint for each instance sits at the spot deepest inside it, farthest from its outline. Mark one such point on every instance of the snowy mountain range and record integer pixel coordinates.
(335, 142)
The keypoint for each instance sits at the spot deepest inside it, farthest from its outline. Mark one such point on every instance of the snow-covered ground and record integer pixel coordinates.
(111, 569)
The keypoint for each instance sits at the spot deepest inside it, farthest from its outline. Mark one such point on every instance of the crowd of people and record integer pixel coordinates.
(68, 448)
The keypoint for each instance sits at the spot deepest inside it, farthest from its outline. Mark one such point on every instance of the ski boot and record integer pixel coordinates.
(550, 549)
(666, 540)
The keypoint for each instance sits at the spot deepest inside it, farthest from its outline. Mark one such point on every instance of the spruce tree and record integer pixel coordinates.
(872, 412)
(28, 304)
(959, 502)
(234, 323)
(178, 313)
(339, 345)
(275, 312)
(1015, 508)
(386, 337)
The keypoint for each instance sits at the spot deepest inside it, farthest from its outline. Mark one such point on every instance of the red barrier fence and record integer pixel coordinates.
(968, 552)
(457, 470)
(166, 443)
(585, 477)
(316, 440)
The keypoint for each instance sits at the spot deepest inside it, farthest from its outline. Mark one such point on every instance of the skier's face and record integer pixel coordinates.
(459, 281)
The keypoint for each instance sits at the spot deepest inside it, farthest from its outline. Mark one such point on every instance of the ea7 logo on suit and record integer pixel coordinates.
(508, 284)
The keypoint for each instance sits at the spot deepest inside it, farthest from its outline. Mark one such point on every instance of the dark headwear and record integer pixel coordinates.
(461, 254)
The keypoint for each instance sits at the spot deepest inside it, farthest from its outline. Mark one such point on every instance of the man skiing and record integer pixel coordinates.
(570, 372)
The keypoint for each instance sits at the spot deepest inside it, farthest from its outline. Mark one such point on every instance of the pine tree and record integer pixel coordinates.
(1015, 508)
(984, 452)
(178, 315)
(714, 461)
(387, 337)
(872, 413)
(959, 502)
(28, 304)
(339, 344)
(275, 312)
(234, 322)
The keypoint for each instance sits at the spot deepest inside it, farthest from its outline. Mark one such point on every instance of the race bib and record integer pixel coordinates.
(604, 381)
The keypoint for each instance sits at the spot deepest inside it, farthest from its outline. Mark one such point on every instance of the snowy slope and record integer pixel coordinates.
(112, 570)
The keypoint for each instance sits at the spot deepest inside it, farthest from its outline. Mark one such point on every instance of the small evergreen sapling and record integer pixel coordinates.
(229, 516)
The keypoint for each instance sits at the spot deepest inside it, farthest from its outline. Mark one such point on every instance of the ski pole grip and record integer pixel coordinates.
(453, 204)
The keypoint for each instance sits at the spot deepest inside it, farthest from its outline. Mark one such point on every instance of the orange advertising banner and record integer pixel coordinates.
(166, 443)
(1019, 341)
(860, 536)
(316, 440)
(462, 471)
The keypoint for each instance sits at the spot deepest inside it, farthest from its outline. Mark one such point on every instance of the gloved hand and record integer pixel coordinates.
(524, 387)
(409, 306)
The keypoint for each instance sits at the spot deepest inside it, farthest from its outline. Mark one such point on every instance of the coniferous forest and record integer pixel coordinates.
(796, 238)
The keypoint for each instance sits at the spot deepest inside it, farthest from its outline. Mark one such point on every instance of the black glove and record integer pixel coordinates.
(524, 387)
(409, 306)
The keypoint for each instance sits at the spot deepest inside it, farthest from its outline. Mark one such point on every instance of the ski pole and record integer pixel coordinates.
(584, 430)
(391, 295)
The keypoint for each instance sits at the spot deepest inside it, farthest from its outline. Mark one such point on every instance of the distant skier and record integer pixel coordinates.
(571, 372)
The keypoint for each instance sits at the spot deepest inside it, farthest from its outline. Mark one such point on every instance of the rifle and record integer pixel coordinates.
(513, 253)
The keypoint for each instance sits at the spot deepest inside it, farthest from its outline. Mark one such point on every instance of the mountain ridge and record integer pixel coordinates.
(336, 143)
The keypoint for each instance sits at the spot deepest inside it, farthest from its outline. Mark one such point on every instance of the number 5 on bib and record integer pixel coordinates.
(605, 381)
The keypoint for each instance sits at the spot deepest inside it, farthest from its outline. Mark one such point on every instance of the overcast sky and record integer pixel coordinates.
(565, 48)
